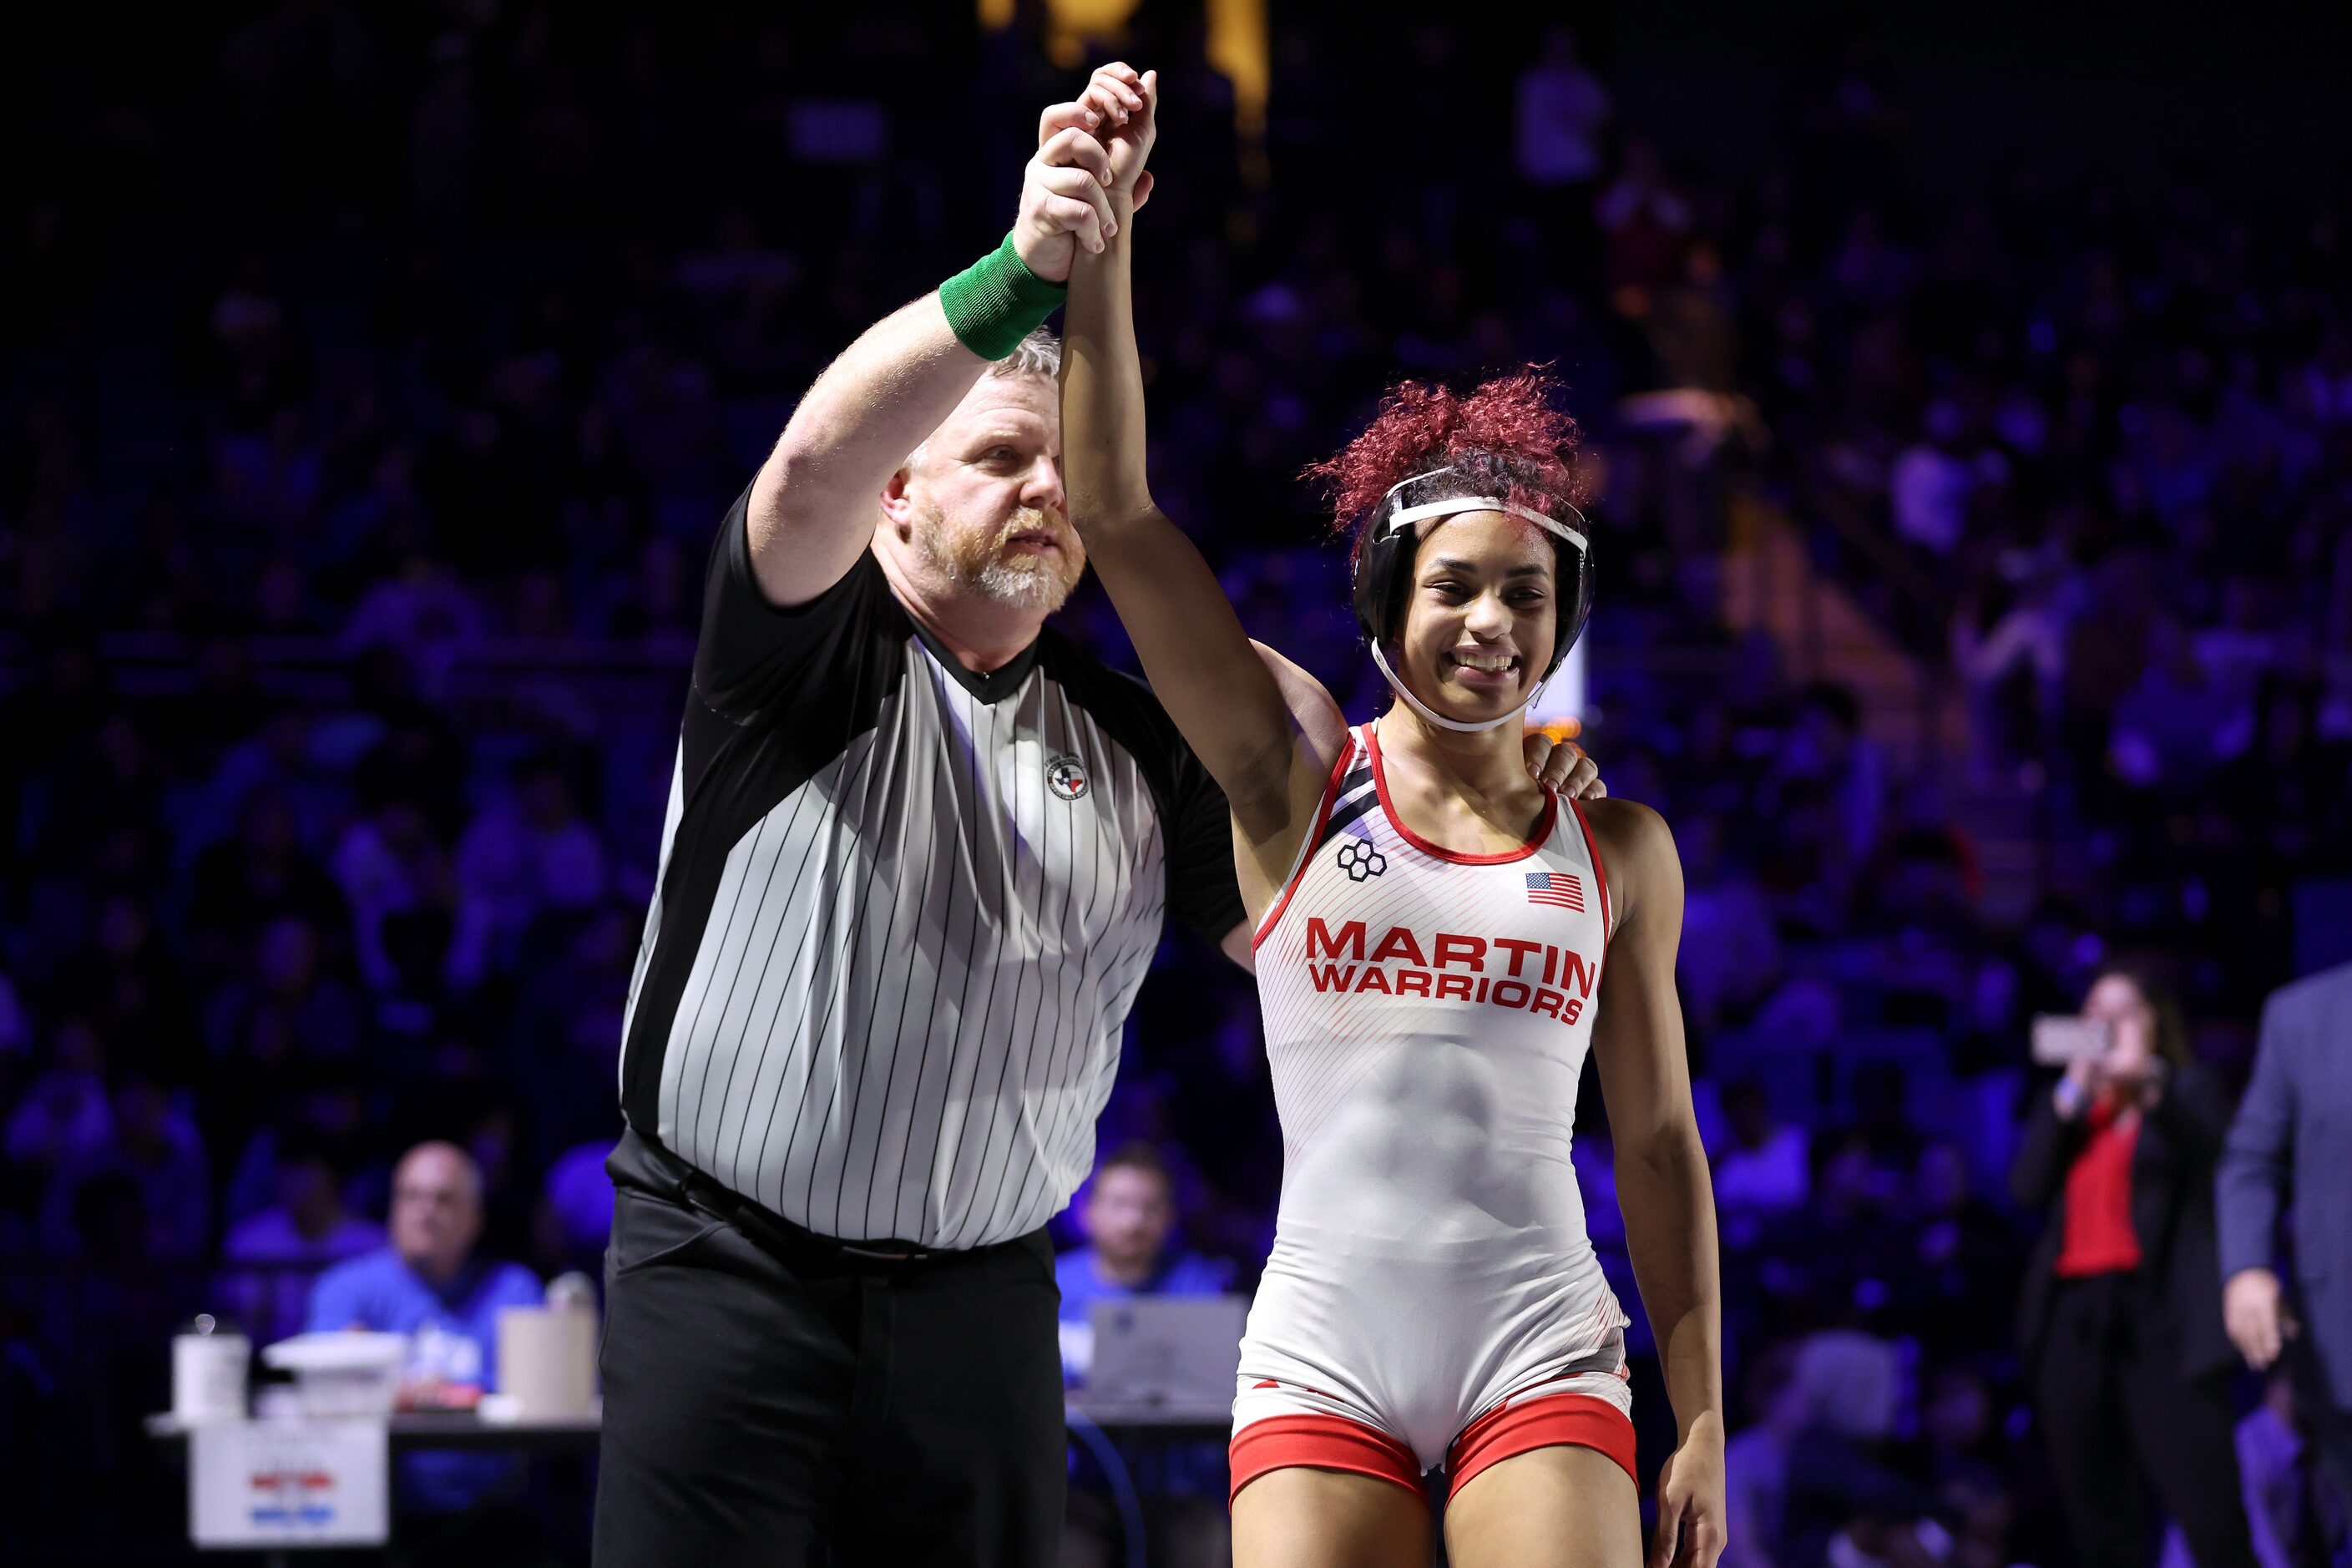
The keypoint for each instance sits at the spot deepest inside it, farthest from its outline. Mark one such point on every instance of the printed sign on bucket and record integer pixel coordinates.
(288, 1483)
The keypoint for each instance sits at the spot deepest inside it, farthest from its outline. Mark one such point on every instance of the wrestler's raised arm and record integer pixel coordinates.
(1268, 733)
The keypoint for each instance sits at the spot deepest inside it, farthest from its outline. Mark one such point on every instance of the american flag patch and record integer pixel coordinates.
(1561, 888)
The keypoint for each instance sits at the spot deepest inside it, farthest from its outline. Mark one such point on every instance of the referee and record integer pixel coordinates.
(917, 856)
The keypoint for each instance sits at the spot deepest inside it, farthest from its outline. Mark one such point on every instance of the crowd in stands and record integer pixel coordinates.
(358, 460)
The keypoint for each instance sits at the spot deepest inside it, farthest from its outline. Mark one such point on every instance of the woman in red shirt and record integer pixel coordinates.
(2121, 1331)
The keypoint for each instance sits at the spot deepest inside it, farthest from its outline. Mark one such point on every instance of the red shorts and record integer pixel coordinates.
(1336, 1442)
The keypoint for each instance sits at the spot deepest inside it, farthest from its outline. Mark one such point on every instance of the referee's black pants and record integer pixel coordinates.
(771, 1399)
(2115, 1405)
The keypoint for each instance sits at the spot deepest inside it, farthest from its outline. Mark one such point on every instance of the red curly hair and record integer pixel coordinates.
(1508, 432)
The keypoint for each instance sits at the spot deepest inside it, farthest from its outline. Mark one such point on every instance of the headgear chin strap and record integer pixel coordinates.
(1385, 565)
(1431, 716)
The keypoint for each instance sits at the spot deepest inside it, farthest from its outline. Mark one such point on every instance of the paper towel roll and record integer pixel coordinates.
(547, 1361)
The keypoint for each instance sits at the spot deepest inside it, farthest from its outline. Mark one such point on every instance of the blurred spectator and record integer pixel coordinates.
(1845, 1498)
(241, 885)
(566, 1035)
(1880, 1092)
(280, 755)
(1561, 107)
(429, 1285)
(1129, 1215)
(1756, 1459)
(1967, 1252)
(153, 1154)
(1964, 1459)
(578, 1199)
(2287, 1153)
(321, 1102)
(528, 852)
(1929, 487)
(13, 1033)
(2294, 1508)
(131, 989)
(1828, 763)
(64, 1117)
(1837, 1262)
(285, 1244)
(2121, 1330)
(1731, 956)
(1645, 220)
(423, 614)
(1763, 1170)
(286, 1005)
(390, 865)
(1852, 1383)
(2028, 638)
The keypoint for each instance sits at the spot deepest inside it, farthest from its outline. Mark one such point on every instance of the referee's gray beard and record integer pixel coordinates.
(1021, 583)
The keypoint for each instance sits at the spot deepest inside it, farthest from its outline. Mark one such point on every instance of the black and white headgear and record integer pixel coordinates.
(1414, 505)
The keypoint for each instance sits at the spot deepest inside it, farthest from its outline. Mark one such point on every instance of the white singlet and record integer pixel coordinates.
(1427, 1015)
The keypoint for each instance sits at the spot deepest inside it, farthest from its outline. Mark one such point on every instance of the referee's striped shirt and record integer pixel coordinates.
(902, 912)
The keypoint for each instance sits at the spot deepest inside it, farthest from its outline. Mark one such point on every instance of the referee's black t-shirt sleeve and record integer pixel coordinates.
(1203, 891)
(752, 654)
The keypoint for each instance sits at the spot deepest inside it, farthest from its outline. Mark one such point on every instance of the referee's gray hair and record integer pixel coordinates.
(1038, 354)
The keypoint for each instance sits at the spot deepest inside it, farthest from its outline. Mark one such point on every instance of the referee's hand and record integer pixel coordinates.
(1063, 200)
(1565, 767)
(1065, 192)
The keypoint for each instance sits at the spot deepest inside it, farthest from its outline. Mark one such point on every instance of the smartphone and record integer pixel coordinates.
(2060, 1040)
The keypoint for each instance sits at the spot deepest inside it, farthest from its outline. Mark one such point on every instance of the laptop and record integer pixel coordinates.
(1170, 1354)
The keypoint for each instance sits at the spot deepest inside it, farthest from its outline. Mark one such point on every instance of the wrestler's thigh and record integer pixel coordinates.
(1302, 1518)
(1558, 1507)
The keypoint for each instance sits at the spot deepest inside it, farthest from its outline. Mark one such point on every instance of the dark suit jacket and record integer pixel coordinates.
(2292, 1141)
(2172, 1214)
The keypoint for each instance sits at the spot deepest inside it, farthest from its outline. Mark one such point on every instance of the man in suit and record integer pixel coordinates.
(2291, 1144)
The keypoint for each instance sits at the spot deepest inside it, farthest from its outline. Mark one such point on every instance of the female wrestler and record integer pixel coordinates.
(1438, 943)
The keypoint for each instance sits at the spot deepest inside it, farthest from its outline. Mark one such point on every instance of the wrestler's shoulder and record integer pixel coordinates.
(1634, 840)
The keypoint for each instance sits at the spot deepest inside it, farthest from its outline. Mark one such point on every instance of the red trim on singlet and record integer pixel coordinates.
(1601, 881)
(1323, 1442)
(1307, 846)
(1318, 1442)
(1534, 843)
(1572, 1420)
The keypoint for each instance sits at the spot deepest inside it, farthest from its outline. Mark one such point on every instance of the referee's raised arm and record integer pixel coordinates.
(811, 507)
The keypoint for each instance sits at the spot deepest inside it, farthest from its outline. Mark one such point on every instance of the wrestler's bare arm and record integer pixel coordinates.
(1663, 1185)
(1264, 729)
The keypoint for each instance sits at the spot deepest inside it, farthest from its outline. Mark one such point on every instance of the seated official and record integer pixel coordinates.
(427, 1284)
(1128, 1213)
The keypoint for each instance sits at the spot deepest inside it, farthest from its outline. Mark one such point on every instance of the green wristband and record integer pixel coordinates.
(996, 302)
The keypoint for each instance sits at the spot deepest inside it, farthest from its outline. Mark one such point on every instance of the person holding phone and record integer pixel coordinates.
(2120, 1331)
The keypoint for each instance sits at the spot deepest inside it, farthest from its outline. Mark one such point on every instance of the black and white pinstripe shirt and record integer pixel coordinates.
(902, 912)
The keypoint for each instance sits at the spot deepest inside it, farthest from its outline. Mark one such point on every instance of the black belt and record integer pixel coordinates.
(795, 1243)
